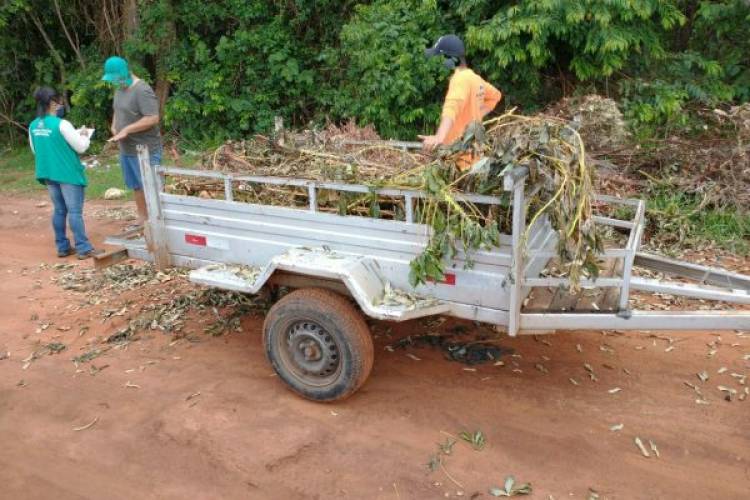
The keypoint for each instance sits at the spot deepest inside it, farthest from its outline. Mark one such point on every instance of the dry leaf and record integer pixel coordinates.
(84, 427)
(654, 448)
(643, 449)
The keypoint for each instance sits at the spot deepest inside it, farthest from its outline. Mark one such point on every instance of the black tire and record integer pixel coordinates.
(319, 344)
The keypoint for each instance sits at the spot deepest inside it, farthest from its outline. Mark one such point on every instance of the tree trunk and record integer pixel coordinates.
(685, 32)
(55, 54)
(167, 37)
(129, 18)
(73, 45)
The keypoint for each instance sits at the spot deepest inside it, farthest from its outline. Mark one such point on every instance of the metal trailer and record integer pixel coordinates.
(316, 337)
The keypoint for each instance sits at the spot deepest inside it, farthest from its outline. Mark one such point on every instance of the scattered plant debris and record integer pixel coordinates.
(87, 426)
(511, 488)
(476, 439)
(394, 297)
(641, 447)
(470, 352)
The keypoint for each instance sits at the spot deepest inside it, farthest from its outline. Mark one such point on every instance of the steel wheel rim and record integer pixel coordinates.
(310, 353)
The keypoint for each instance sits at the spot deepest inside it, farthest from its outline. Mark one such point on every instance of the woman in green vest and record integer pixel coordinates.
(56, 145)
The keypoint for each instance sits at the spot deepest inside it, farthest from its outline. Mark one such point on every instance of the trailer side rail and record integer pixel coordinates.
(514, 267)
(714, 284)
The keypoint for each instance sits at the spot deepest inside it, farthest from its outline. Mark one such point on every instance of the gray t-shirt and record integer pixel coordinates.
(131, 105)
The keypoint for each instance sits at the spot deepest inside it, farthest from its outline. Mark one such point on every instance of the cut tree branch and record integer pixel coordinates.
(55, 54)
(73, 45)
(11, 121)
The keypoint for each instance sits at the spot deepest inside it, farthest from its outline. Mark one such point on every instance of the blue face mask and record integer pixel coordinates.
(60, 113)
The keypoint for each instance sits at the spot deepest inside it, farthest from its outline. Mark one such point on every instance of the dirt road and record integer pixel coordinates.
(208, 419)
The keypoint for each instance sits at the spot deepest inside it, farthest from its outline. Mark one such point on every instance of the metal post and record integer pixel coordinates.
(634, 241)
(228, 194)
(409, 208)
(313, 196)
(516, 288)
(155, 233)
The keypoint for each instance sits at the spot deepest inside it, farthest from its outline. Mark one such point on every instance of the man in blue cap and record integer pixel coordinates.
(468, 100)
(135, 121)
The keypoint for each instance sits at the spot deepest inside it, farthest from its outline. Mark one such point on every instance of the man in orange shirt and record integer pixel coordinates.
(468, 100)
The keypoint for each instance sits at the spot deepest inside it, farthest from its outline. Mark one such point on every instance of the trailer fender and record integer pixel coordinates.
(358, 274)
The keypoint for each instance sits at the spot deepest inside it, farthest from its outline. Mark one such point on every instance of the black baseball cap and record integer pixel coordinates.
(447, 45)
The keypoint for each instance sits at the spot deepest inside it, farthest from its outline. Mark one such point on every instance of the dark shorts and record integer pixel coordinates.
(131, 172)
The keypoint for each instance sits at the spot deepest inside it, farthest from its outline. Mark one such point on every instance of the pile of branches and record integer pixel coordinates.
(550, 147)
(597, 119)
(561, 181)
(711, 162)
(329, 156)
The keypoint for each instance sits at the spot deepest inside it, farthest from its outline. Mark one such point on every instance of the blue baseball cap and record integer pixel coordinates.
(116, 71)
(447, 45)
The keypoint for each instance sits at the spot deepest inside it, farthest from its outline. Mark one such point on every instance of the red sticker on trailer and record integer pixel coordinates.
(448, 279)
(194, 239)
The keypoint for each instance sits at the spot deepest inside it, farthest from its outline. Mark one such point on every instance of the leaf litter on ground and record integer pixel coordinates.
(476, 439)
(168, 316)
(456, 347)
(511, 488)
(87, 426)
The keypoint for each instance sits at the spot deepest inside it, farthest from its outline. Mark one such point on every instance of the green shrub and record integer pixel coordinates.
(387, 80)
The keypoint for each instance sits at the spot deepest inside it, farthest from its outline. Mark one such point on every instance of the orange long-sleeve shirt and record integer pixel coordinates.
(468, 100)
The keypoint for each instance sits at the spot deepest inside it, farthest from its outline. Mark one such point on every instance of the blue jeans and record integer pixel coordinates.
(131, 170)
(68, 202)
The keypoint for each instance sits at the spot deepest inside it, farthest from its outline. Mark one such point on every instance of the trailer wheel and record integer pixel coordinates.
(319, 344)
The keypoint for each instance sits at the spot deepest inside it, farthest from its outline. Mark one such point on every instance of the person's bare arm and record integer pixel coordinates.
(454, 100)
(430, 142)
(144, 123)
(112, 125)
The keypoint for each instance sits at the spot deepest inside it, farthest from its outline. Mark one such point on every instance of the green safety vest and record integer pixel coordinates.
(55, 159)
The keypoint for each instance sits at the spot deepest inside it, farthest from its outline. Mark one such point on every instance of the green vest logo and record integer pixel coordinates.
(41, 131)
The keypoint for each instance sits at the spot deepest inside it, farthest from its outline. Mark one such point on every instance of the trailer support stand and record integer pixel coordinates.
(516, 184)
(155, 231)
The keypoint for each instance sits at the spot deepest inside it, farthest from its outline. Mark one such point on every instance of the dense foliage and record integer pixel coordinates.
(225, 68)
